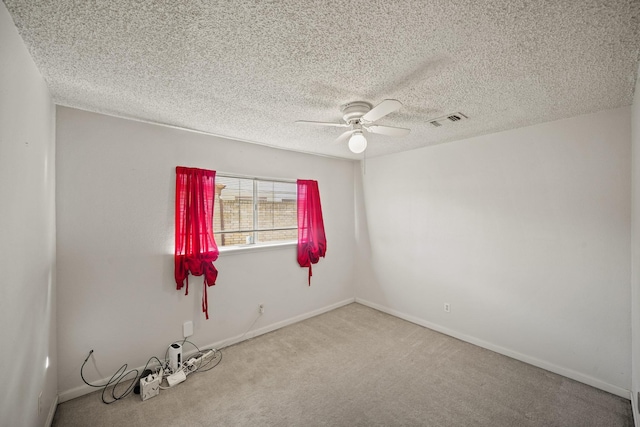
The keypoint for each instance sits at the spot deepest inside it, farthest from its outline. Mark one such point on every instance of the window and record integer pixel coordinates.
(253, 211)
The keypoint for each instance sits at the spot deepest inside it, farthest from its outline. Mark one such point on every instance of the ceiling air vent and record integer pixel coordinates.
(448, 119)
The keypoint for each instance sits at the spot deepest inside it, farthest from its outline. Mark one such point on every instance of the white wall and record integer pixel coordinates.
(526, 233)
(635, 249)
(115, 207)
(27, 233)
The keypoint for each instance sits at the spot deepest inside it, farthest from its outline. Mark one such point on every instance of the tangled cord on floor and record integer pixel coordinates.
(115, 380)
(122, 374)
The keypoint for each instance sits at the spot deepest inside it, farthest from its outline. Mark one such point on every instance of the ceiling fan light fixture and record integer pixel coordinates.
(357, 142)
(360, 116)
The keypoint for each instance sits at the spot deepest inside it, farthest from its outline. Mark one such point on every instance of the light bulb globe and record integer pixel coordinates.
(357, 143)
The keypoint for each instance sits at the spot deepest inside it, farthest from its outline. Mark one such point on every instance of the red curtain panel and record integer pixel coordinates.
(195, 248)
(312, 242)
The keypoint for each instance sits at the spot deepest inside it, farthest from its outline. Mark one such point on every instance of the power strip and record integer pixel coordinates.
(150, 386)
(197, 362)
(194, 363)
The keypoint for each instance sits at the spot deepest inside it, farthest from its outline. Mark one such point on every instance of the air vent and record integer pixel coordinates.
(448, 119)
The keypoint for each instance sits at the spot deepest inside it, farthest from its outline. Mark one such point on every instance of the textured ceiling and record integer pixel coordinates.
(249, 69)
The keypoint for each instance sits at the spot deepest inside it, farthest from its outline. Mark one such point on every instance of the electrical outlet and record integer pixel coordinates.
(261, 308)
(447, 307)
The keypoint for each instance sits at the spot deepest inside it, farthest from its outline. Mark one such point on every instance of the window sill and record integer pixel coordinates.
(254, 247)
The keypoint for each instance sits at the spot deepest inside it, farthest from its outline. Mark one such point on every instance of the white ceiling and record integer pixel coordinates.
(249, 69)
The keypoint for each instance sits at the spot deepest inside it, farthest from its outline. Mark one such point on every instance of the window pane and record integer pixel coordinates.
(276, 236)
(233, 210)
(276, 205)
(229, 239)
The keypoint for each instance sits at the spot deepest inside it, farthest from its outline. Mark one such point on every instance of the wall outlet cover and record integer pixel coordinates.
(187, 329)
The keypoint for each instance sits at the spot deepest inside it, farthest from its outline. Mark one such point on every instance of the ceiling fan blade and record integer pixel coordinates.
(344, 136)
(338, 125)
(387, 130)
(379, 111)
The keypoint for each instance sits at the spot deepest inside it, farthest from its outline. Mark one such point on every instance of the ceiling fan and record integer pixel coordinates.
(360, 117)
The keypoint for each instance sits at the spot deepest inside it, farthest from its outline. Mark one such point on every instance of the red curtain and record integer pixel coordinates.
(312, 242)
(195, 247)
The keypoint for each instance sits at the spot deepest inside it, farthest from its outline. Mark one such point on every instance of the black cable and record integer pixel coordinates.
(116, 379)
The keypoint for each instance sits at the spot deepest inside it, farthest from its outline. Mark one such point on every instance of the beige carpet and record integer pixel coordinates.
(356, 366)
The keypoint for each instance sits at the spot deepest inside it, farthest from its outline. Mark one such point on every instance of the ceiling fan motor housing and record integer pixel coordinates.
(353, 111)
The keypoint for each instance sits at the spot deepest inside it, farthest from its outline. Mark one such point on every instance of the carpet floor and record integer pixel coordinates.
(355, 366)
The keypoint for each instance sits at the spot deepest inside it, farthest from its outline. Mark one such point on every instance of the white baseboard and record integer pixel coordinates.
(52, 412)
(251, 334)
(85, 389)
(566, 372)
